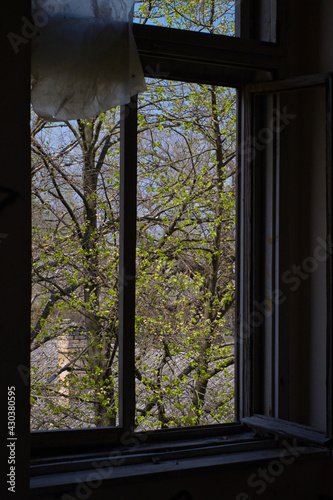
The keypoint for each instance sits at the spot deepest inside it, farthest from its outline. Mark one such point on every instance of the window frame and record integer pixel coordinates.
(214, 59)
(261, 412)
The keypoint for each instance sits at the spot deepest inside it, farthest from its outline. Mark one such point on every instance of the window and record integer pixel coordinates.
(205, 69)
(185, 263)
(289, 275)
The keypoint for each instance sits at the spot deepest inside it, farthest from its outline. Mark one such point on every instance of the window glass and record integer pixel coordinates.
(208, 16)
(185, 317)
(75, 299)
(304, 257)
(185, 284)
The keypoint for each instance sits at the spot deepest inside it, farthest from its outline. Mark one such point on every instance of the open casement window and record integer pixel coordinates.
(185, 57)
(265, 353)
(264, 121)
(286, 212)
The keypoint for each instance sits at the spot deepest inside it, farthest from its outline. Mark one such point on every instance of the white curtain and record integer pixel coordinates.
(84, 59)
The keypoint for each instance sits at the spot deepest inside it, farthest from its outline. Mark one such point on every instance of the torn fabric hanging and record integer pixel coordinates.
(84, 58)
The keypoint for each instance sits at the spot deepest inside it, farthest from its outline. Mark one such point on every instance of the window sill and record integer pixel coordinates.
(159, 461)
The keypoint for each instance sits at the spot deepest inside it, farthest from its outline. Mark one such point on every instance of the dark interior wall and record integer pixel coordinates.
(326, 36)
(308, 37)
(14, 247)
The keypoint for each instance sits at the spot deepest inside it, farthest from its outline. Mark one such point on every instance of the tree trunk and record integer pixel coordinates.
(98, 338)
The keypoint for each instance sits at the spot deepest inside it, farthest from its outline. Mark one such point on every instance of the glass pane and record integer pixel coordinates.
(185, 317)
(74, 312)
(207, 16)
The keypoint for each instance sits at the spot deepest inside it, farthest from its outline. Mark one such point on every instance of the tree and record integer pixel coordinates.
(185, 257)
(186, 247)
(80, 264)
